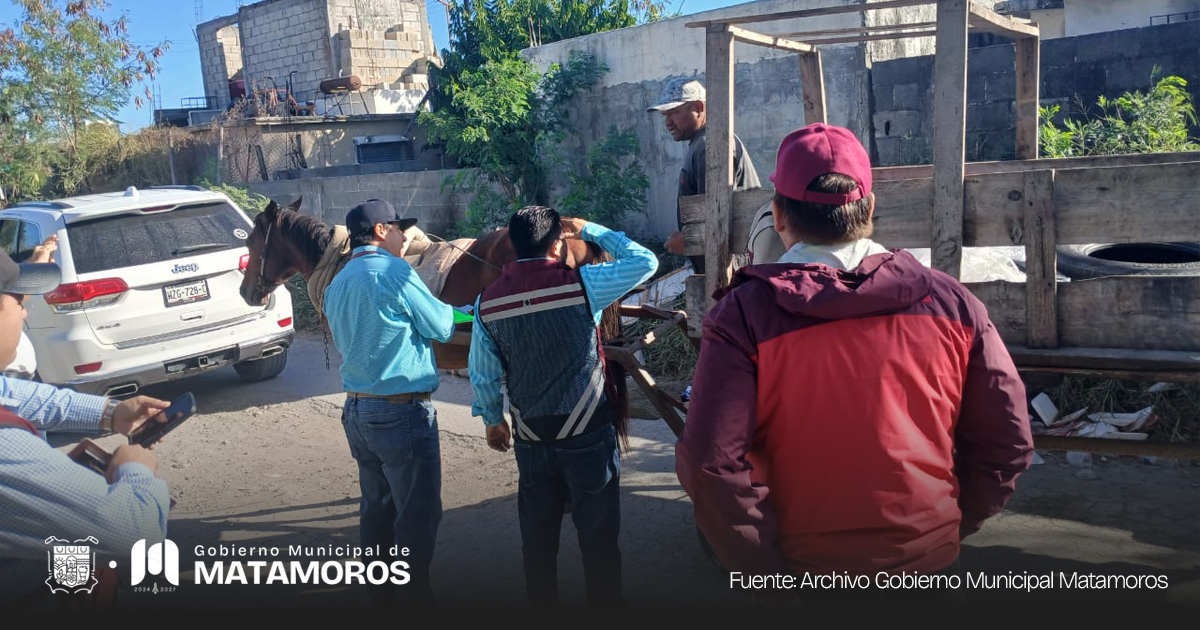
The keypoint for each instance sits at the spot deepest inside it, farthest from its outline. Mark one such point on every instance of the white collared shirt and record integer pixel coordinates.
(839, 256)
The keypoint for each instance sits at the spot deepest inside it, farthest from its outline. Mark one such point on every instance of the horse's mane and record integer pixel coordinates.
(311, 234)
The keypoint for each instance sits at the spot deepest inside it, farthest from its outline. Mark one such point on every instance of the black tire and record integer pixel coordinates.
(1096, 260)
(262, 369)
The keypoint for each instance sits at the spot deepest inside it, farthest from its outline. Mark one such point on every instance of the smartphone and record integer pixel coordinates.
(154, 429)
(91, 455)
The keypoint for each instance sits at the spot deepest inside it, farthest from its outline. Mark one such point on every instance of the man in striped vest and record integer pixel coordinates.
(537, 332)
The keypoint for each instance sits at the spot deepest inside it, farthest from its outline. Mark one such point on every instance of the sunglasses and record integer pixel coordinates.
(20, 298)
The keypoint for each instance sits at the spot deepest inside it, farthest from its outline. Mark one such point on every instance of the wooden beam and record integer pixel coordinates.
(770, 41)
(1028, 53)
(812, 87)
(882, 173)
(1170, 376)
(858, 30)
(718, 171)
(1116, 447)
(1156, 364)
(949, 135)
(694, 302)
(987, 20)
(787, 15)
(1041, 260)
(871, 38)
(645, 381)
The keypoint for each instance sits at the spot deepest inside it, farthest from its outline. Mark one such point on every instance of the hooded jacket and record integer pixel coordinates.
(857, 421)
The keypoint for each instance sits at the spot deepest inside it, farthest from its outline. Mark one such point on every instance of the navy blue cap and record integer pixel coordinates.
(363, 218)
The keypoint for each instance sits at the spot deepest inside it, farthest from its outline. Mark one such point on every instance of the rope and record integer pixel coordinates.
(463, 251)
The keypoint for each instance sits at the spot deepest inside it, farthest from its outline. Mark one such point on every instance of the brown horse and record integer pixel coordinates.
(285, 242)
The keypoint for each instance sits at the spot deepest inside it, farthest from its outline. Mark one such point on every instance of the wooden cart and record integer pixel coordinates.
(1128, 327)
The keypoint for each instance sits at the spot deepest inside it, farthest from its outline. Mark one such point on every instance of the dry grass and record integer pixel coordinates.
(671, 356)
(1178, 410)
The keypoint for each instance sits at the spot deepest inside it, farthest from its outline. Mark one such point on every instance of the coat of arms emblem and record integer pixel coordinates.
(70, 565)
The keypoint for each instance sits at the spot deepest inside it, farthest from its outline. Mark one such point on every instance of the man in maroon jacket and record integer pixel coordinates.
(854, 411)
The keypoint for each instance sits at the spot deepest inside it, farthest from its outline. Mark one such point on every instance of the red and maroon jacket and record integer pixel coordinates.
(859, 421)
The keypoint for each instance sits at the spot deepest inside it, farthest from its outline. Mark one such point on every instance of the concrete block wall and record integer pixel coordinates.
(220, 57)
(279, 36)
(414, 194)
(1074, 72)
(383, 42)
(767, 94)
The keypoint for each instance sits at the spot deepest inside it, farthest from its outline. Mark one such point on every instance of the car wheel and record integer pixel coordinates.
(1096, 260)
(262, 369)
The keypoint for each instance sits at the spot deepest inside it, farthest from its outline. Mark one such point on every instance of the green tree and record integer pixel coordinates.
(1136, 122)
(63, 69)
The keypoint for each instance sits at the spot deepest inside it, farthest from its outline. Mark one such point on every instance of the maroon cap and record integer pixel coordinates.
(815, 150)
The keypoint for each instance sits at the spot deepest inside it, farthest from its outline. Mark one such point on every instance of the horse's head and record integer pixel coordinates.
(269, 265)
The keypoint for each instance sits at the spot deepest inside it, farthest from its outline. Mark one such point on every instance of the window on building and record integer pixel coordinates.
(383, 149)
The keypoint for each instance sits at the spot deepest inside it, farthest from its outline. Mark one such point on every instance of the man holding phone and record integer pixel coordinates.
(42, 491)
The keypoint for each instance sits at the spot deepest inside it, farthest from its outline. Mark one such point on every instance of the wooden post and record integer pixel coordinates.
(949, 135)
(220, 154)
(812, 83)
(171, 156)
(1028, 50)
(1041, 261)
(718, 171)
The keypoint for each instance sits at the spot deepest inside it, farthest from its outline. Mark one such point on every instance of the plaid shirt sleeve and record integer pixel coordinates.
(51, 408)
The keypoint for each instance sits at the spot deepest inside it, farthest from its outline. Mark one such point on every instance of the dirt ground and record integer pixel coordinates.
(267, 465)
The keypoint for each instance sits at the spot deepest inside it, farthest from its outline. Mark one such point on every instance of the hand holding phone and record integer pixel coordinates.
(156, 427)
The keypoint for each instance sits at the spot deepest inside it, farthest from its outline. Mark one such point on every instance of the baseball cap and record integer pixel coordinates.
(815, 150)
(363, 217)
(676, 93)
(28, 278)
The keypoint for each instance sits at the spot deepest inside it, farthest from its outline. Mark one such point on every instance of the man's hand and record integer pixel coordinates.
(130, 453)
(131, 414)
(572, 227)
(44, 253)
(674, 243)
(499, 438)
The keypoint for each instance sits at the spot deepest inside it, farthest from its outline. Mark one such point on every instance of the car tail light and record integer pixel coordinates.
(285, 322)
(74, 296)
(88, 368)
(244, 262)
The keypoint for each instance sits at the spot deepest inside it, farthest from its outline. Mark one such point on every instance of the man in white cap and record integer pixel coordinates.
(684, 113)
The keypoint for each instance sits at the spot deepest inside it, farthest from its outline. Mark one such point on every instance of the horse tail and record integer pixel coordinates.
(614, 375)
(614, 372)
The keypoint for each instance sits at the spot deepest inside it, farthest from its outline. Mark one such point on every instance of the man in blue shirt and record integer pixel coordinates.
(536, 330)
(384, 319)
(42, 492)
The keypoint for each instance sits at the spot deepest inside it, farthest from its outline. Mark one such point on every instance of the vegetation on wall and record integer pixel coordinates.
(1155, 121)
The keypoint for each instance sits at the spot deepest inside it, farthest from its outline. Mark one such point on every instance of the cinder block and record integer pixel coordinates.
(907, 96)
(897, 123)
(1000, 87)
(991, 59)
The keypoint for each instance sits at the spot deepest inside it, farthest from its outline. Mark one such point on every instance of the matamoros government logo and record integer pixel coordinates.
(159, 559)
(70, 565)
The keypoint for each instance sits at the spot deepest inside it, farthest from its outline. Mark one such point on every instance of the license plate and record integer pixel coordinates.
(185, 293)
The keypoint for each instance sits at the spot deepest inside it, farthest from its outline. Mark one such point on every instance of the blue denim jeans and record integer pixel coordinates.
(400, 476)
(586, 471)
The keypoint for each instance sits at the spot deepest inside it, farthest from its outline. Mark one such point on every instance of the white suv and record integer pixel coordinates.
(149, 290)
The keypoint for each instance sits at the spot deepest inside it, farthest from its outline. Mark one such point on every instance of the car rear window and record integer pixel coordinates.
(126, 240)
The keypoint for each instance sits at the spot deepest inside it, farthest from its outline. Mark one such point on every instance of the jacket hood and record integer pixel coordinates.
(882, 283)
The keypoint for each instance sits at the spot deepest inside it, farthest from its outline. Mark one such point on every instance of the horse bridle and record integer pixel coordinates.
(262, 257)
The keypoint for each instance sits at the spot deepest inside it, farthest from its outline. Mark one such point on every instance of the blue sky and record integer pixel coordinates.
(152, 21)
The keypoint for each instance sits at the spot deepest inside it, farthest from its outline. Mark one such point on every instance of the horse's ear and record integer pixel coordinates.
(295, 205)
(271, 208)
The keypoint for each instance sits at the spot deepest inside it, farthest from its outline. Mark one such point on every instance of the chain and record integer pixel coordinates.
(325, 338)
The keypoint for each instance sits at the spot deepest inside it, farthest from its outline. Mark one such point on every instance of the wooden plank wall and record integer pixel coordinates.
(1121, 201)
